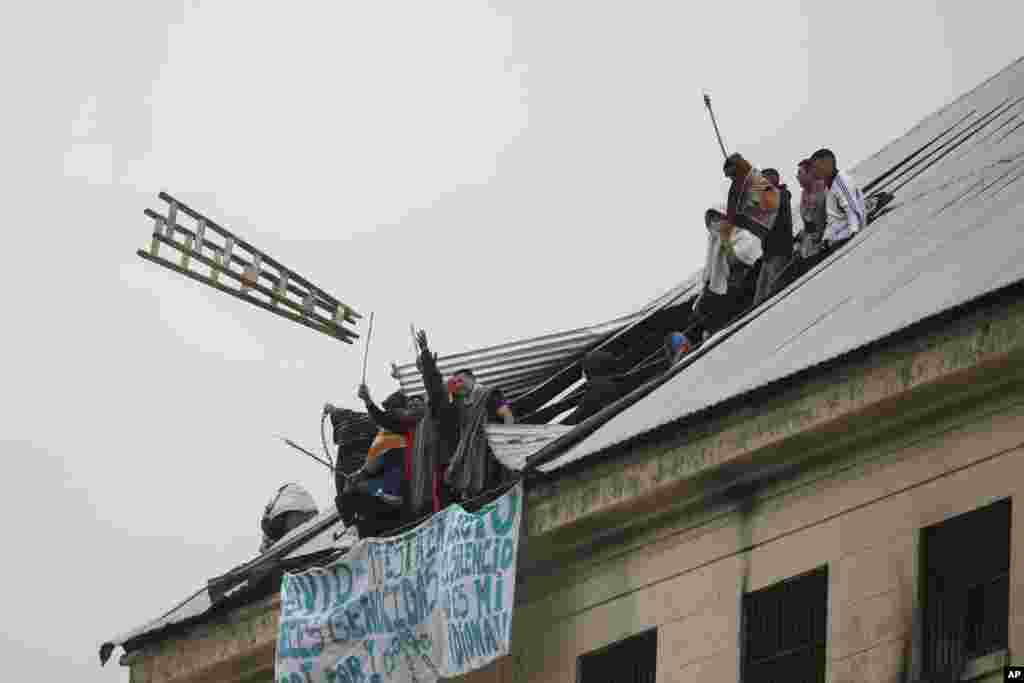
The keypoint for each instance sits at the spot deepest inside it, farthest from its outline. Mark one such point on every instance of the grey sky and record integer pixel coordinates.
(489, 171)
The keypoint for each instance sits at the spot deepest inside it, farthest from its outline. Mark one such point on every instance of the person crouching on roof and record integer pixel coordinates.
(845, 210)
(473, 469)
(677, 345)
(374, 498)
(731, 255)
(399, 416)
(602, 387)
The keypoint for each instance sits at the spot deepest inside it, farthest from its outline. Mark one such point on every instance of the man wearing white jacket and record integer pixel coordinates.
(731, 253)
(845, 211)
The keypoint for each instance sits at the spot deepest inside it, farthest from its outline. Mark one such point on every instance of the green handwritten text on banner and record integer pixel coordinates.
(434, 602)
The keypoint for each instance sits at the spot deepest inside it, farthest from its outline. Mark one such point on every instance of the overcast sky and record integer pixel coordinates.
(489, 171)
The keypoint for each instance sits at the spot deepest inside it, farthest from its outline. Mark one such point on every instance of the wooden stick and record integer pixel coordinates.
(366, 351)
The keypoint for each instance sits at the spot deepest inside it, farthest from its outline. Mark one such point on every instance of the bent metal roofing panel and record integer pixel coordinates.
(953, 233)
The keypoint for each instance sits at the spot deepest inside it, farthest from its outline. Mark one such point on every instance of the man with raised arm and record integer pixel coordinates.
(436, 437)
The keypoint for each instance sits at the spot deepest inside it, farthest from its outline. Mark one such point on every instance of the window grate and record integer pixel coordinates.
(966, 588)
(785, 629)
(633, 660)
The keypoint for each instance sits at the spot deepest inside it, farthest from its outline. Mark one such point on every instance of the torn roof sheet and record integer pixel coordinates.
(519, 367)
(952, 235)
(512, 444)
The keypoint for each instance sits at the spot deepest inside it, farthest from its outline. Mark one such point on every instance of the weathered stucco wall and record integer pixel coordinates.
(863, 521)
(880, 446)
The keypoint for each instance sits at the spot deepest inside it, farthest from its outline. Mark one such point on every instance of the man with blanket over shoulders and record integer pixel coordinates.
(473, 468)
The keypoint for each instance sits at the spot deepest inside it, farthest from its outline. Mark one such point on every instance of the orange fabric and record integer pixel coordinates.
(384, 442)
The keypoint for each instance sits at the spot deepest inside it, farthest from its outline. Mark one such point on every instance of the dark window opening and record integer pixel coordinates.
(966, 588)
(785, 630)
(633, 660)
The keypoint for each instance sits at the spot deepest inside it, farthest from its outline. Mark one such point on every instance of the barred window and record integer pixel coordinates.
(785, 630)
(633, 660)
(966, 587)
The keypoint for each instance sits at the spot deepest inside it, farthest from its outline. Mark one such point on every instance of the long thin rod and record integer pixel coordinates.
(707, 103)
(366, 351)
(310, 454)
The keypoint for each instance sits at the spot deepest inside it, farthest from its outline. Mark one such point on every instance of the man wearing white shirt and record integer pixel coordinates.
(844, 202)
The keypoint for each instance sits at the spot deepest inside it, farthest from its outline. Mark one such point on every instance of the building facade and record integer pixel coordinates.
(800, 529)
(830, 489)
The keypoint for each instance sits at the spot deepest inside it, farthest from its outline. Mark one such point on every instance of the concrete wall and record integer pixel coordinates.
(861, 516)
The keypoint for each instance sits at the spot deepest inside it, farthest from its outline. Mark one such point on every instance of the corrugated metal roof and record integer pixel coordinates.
(513, 444)
(507, 366)
(521, 366)
(953, 234)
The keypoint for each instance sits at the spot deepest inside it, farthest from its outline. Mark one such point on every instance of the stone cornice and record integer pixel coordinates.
(222, 649)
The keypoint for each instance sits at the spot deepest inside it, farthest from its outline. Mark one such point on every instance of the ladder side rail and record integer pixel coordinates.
(213, 225)
(241, 261)
(323, 321)
(170, 265)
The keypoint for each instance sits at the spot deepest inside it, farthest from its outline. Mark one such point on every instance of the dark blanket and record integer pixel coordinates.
(473, 469)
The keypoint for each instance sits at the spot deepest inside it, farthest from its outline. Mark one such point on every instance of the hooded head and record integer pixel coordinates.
(736, 167)
(599, 364)
(677, 344)
(395, 401)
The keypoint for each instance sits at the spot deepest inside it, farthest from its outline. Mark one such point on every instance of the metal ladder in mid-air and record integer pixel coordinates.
(233, 266)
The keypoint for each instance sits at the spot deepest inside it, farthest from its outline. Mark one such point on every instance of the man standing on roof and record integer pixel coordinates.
(845, 213)
(778, 244)
(436, 438)
(753, 202)
(728, 265)
(812, 209)
(473, 468)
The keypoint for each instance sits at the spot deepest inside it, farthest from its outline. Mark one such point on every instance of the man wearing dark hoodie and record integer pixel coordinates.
(777, 245)
(602, 389)
(375, 498)
(437, 437)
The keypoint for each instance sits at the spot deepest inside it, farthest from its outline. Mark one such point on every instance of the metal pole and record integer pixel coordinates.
(310, 454)
(707, 103)
(366, 351)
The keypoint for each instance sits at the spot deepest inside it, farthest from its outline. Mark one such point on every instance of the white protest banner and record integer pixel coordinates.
(433, 602)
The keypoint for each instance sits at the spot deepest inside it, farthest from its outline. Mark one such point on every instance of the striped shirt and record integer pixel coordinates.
(845, 214)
